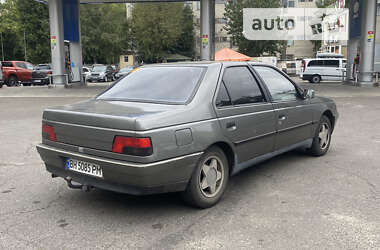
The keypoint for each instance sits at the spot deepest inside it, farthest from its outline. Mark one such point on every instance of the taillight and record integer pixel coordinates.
(132, 146)
(49, 131)
(49, 72)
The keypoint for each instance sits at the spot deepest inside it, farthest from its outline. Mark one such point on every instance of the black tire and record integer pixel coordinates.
(1, 85)
(12, 81)
(194, 195)
(316, 79)
(320, 147)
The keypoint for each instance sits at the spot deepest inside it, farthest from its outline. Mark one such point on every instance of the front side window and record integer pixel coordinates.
(242, 86)
(21, 65)
(169, 85)
(280, 88)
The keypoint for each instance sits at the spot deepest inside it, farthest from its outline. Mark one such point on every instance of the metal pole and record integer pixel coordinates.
(367, 41)
(56, 41)
(25, 46)
(2, 45)
(207, 30)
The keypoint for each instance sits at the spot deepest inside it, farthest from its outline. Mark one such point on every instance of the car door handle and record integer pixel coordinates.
(282, 117)
(231, 126)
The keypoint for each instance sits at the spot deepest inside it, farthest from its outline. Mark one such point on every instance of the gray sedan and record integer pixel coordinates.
(184, 127)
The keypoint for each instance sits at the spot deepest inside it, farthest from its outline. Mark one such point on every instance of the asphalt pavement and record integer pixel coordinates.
(293, 201)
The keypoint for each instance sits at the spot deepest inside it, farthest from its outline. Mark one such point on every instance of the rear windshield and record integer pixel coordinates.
(42, 67)
(99, 68)
(174, 85)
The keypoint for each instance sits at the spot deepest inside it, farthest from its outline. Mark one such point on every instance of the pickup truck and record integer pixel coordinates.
(16, 72)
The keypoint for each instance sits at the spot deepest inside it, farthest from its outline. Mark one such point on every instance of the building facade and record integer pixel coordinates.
(299, 49)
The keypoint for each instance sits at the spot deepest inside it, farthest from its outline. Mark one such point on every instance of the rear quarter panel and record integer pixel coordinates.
(196, 122)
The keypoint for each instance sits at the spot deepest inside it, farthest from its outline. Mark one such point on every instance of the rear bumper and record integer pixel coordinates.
(306, 77)
(40, 80)
(170, 175)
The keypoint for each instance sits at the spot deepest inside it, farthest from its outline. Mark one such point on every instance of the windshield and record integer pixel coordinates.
(99, 69)
(29, 66)
(173, 85)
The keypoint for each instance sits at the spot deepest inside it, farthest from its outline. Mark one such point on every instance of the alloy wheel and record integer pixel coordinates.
(211, 176)
(324, 136)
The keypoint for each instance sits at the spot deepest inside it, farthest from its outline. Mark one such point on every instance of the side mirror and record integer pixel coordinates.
(308, 94)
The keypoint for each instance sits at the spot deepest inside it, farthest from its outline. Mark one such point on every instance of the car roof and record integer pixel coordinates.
(206, 63)
(309, 59)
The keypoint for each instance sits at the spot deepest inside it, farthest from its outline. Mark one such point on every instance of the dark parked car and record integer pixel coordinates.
(101, 73)
(41, 73)
(124, 71)
(183, 127)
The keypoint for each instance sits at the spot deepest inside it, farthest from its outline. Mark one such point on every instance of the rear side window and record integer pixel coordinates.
(7, 64)
(242, 87)
(332, 63)
(171, 85)
(223, 99)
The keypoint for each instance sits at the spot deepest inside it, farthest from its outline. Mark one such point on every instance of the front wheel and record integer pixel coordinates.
(209, 180)
(315, 79)
(322, 137)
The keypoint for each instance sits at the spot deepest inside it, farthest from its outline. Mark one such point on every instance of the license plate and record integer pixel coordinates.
(84, 167)
(36, 80)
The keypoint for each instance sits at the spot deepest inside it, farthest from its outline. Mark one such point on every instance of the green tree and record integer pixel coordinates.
(156, 28)
(33, 19)
(9, 29)
(186, 44)
(105, 33)
(234, 15)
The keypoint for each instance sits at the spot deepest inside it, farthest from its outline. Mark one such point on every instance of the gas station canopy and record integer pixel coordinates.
(119, 1)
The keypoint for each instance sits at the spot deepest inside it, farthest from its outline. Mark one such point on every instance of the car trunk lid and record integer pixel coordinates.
(95, 123)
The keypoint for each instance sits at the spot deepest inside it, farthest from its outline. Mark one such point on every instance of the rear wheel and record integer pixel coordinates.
(13, 81)
(315, 79)
(322, 137)
(209, 179)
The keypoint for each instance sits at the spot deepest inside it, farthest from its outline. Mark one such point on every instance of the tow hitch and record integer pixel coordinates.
(85, 188)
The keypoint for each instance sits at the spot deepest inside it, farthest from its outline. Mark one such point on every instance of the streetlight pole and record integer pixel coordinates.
(2, 45)
(25, 45)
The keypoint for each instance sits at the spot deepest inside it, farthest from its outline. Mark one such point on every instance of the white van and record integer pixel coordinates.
(323, 69)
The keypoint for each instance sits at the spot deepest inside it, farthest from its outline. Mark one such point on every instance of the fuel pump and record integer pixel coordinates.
(68, 68)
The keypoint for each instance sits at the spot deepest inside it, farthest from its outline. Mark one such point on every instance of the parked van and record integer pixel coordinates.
(323, 69)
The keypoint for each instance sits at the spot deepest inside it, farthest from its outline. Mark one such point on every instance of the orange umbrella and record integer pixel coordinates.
(227, 54)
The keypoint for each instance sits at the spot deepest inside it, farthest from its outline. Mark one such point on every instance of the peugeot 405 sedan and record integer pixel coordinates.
(183, 127)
